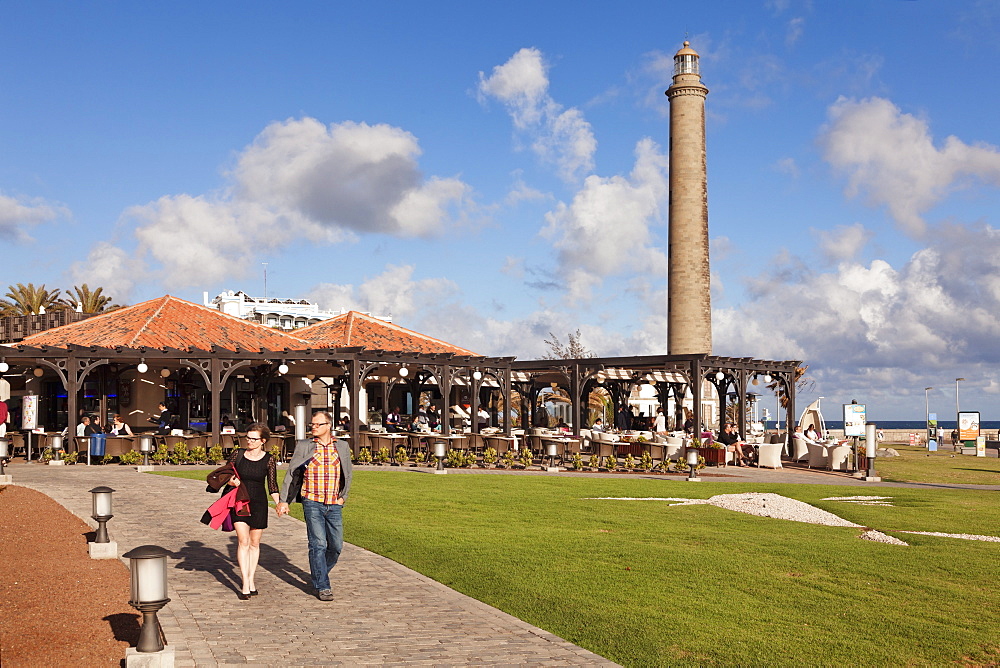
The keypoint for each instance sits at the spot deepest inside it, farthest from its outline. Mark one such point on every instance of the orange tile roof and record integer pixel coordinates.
(167, 321)
(357, 329)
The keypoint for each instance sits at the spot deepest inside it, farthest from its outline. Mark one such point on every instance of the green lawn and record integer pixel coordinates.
(915, 464)
(646, 584)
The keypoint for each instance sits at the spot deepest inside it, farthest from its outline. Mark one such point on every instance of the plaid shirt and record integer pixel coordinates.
(321, 482)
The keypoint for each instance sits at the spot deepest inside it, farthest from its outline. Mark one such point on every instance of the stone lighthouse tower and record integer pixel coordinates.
(689, 301)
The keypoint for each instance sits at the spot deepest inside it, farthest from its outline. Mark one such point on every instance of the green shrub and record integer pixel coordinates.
(525, 456)
(646, 462)
(594, 462)
(382, 456)
(105, 459)
(161, 455)
(69, 457)
(455, 459)
(629, 462)
(365, 456)
(197, 455)
(507, 460)
(489, 457)
(611, 463)
(214, 455)
(275, 451)
(180, 453)
(420, 457)
(401, 455)
(130, 458)
(576, 462)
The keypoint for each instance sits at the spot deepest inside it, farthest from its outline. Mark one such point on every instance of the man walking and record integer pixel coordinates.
(319, 476)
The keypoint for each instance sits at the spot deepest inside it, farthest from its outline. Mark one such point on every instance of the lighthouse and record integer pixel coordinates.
(689, 299)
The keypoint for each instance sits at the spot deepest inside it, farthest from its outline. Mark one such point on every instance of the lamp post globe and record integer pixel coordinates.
(148, 574)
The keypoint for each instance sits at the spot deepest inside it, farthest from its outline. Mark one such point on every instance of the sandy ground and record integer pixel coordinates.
(58, 607)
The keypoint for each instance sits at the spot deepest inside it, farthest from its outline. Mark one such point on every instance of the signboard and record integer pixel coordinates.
(932, 427)
(981, 446)
(913, 439)
(230, 430)
(968, 426)
(29, 411)
(854, 420)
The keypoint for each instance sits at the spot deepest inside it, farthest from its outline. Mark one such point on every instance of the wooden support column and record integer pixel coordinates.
(354, 397)
(574, 392)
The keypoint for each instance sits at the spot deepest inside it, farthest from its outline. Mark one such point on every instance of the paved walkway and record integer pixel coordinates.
(385, 614)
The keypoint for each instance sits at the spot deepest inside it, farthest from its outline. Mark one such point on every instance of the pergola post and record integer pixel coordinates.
(354, 397)
(696, 383)
(215, 383)
(574, 392)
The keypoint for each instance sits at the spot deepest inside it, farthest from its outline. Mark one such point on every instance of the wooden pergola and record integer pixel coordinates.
(672, 376)
(349, 366)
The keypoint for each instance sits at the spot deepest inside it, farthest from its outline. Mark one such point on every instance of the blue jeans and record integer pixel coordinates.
(325, 530)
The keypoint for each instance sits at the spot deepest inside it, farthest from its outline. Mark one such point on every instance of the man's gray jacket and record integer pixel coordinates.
(291, 489)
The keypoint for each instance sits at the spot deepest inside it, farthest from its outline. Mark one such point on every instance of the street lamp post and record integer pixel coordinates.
(957, 409)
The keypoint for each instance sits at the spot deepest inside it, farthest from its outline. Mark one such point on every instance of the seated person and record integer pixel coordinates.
(119, 428)
(743, 452)
(598, 425)
(804, 437)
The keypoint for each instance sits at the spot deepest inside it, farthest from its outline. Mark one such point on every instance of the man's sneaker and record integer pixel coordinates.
(325, 595)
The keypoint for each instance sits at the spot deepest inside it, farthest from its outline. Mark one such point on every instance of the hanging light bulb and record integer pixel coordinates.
(767, 378)
(164, 373)
(282, 368)
(404, 372)
(755, 381)
(4, 367)
(477, 374)
(142, 367)
(720, 376)
(39, 372)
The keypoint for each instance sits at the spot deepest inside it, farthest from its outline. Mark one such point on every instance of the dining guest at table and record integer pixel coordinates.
(118, 427)
(598, 425)
(393, 421)
(742, 451)
(660, 422)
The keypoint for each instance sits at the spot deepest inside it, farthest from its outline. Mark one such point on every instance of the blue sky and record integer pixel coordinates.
(488, 173)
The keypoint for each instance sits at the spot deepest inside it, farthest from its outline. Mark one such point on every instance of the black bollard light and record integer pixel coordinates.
(439, 447)
(692, 462)
(145, 447)
(148, 568)
(4, 453)
(102, 512)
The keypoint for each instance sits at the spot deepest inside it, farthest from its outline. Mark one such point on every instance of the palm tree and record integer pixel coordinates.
(88, 301)
(29, 300)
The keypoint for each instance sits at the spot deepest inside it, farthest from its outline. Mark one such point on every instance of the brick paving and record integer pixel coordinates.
(385, 614)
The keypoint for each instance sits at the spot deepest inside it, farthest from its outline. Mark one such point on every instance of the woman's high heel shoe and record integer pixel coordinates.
(254, 592)
(242, 596)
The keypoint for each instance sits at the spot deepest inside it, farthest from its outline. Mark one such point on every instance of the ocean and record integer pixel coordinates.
(915, 425)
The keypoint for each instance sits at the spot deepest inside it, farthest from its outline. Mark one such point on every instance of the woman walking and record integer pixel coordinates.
(253, 467)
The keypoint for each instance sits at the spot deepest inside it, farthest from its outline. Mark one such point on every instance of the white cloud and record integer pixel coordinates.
(299, 179)
(560, 136)
(18, 214)
(393, 293)
(890, 158)
(796, 27)
(109, 267)
(606, 229)
(929, 314)
(844, 242)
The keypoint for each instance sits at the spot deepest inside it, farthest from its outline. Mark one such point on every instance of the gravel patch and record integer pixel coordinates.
(964, 536)
(879, 537)
(763, 505)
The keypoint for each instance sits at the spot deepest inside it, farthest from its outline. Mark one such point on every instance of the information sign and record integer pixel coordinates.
(854, 420)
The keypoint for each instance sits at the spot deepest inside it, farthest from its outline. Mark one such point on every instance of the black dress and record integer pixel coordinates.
(253, 474)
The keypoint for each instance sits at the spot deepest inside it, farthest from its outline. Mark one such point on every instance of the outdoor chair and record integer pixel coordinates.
(801, 449)
(839, 457)
(17, 444)
(501, 445)
(475, 443)
(769, 454)
(817, 455)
